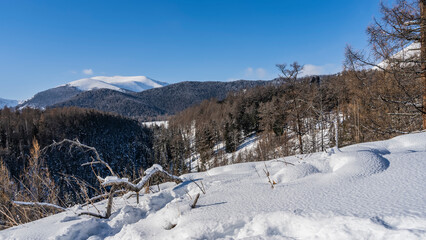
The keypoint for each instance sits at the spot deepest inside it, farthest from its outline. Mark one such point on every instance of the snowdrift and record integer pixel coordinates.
(372, 190)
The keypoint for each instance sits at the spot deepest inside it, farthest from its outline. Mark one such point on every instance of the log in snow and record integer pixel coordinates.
(150, 172)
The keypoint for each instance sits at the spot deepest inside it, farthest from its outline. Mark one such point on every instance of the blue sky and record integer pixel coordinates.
(44, 44)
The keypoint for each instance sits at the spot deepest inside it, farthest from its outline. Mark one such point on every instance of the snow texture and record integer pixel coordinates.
(118, 83)
(366, 191)
(8, 103)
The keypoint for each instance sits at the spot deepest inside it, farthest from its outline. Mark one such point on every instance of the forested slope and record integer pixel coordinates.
(167, 100)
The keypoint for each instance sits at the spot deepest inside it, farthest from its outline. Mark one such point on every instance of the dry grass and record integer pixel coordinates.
(34, 185)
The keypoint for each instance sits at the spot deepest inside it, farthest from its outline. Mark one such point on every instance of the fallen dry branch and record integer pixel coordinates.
(101, 197)
(118, 183)
(93, 215)
(109, 206)
(38, 204)
(114, 181)
(155, 170)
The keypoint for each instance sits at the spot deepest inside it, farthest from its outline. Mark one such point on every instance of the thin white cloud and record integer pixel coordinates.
(258, 73)
(88, 71)
(310, 69)
(248, 72)
(261, 73)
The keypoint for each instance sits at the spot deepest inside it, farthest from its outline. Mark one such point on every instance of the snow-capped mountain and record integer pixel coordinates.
(411, 52)
(67, 91)
(118, 83)
(8, 103)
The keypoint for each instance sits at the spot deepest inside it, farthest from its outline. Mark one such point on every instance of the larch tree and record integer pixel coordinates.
(398, 55)
(289, 79)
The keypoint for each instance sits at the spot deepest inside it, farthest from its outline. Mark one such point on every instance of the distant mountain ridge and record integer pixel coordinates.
(67, 91)
(50, 97)
(134, 96)
(8, 103)
(167, 100)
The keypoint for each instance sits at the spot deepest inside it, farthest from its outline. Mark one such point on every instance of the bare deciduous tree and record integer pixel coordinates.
(398, 53)
(289, 79)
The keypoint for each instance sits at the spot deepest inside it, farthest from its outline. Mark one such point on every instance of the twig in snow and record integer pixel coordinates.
(200, 187)
(187, 193)
(256, 171)
(272, 182)
(195, 200)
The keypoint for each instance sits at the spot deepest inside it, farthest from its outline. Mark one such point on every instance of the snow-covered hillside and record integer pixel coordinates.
(118, 83)
(366, 191)
(8, 103)
(156, 124)
(411, 52)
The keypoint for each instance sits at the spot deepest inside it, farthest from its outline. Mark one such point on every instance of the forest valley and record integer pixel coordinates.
(291, 115)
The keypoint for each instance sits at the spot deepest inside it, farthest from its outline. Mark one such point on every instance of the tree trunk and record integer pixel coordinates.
(423, 55)
(299, 133)
(137, 197)
(110, 199)
(336, 129)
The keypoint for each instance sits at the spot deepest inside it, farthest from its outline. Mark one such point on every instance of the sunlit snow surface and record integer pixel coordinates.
(118, 83)
(367, 191)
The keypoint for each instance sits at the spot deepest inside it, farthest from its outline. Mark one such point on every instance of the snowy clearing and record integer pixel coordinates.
(366, 191)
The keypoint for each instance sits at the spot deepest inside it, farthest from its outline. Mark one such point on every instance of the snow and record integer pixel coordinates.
(118, 83)
(412, 51)
(371, 190)
(114, 180)
(8, 103)
(156, 124)
(109, 180)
